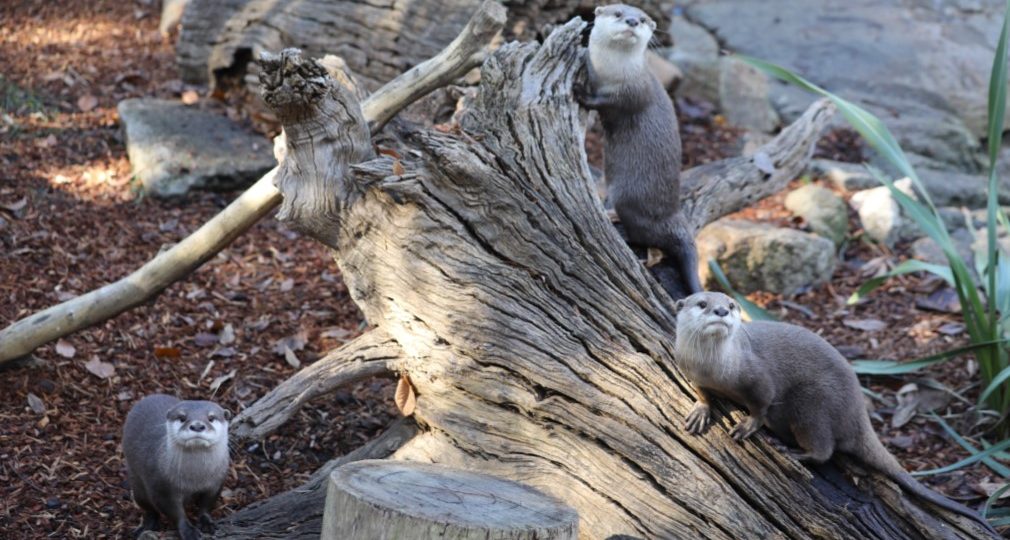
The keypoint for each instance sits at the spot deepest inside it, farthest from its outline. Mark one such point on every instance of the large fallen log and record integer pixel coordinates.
(539, 348)
(379, 40)
(24, 336)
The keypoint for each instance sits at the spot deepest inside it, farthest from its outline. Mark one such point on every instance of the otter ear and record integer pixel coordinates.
(227, 414)
(678, 306)
(599, 11)
(652, 24)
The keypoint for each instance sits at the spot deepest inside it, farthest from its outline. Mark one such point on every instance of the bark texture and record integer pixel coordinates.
(540, 349)
(396, 499)
(379, 40)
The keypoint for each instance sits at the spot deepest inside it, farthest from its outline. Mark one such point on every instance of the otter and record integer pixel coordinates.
(789, 379)
(176, 453)
(642, 151)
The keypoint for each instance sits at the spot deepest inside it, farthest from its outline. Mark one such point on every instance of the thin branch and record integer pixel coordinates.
(367, 356)
(24, 336)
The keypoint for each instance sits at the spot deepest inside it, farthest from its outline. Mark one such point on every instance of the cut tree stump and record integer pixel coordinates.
(379, 499)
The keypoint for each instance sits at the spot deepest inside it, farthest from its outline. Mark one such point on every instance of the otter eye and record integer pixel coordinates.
(180, 417)
(732, 305)
(618, 14)
(703, 305)
(211, 418)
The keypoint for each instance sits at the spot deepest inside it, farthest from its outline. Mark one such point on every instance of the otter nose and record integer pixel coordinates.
(721, 311)
(632, 22)
(198, 427)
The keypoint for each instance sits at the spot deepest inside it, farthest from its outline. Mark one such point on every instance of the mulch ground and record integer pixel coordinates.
(71, 220)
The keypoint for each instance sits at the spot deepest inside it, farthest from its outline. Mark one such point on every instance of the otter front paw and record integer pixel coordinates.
(698, 419)
(745, 428)
(206, 523)
(189, 532)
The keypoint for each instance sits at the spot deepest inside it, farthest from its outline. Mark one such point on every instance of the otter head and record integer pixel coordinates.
(621, 27)
(197, 424)
(708, 315)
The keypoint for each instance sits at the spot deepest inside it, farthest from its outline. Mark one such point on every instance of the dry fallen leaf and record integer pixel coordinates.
(291, 358)
(287, 285)
(65, 349)
(908, 401)
(190, 97)
(405, 399)
(102, 370)
(295, 343)
(654, 256)
(397, 168)
(866, 325)
(87, 102)
(167, 352)
(227, 335)
(36, 404)
(218, 381)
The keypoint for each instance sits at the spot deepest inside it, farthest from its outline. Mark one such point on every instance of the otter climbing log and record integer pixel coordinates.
(395, 499)
(538, 347)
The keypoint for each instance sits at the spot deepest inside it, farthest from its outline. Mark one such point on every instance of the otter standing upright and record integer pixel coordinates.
(176, 452)
(642, 143)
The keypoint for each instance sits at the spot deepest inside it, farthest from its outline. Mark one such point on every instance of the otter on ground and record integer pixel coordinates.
(789, 379)
(176, 453)
(642, 154)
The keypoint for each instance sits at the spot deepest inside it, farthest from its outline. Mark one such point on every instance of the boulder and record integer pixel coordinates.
(925, 249)
(744, 96)
(825, 212)
(696, 53)
(881, 215)
(921, 66)
(762, 257)
(174, 148)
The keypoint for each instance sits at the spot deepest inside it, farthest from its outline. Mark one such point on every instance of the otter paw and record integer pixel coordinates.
(698, 419)
(207, 524)
(745, 428)
(189, 532)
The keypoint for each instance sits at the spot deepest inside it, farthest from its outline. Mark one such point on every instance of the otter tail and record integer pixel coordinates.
(874, 455)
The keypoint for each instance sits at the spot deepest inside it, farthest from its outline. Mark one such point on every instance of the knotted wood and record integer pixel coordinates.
(540, 349)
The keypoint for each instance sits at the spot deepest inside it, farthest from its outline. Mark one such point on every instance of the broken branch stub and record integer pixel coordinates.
(325, 132)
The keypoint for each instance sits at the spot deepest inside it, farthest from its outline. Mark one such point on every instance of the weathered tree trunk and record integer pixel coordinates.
(539, 348)
(391, 499)
(379, 40)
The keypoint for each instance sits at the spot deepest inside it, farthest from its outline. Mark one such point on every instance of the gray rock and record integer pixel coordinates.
(881, 216)
(667, 72)
(744, 96)
(696, 53)
(174, 148)
(823, 210)
(925, 249)
(761, 257)
(921, 66)
(845, 176)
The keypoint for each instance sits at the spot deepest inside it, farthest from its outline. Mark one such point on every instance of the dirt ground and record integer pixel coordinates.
(71, 220)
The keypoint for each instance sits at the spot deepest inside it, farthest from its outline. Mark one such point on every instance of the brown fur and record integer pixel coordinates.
(790, 380)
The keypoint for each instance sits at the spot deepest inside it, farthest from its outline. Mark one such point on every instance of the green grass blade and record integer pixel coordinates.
(992, 498)
(890, 367)
(997, 92)
(966, 461)
(999, 379)
(996, 466)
